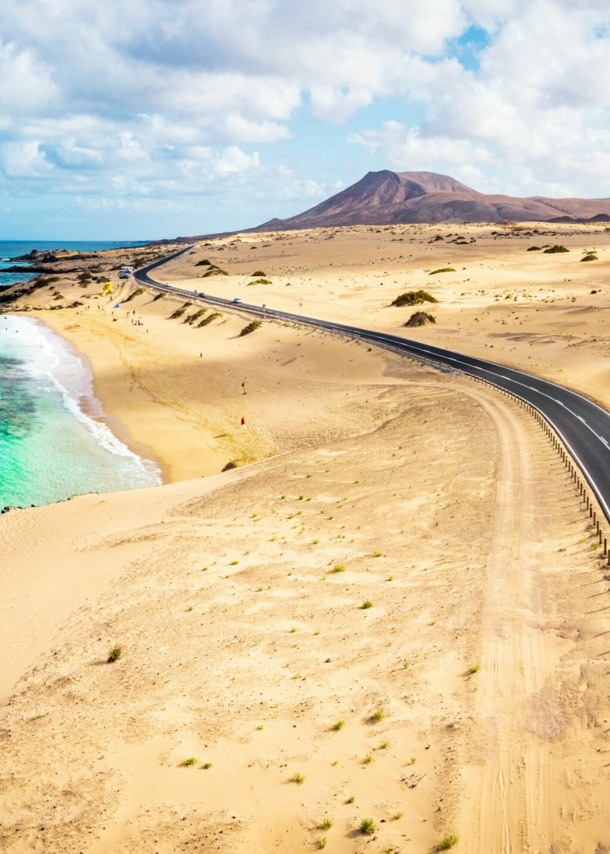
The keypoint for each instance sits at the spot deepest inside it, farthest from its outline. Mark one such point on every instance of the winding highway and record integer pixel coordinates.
(582, 425)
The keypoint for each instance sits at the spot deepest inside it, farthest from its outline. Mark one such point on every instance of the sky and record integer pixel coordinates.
(147, 119)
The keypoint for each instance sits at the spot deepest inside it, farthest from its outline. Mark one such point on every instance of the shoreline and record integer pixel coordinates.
(92, 406)
(85, 450)
(396, 616)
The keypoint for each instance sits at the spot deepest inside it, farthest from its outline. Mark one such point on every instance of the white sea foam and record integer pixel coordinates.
(56, 371)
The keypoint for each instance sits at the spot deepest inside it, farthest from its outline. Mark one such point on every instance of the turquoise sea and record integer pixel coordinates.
(54, 442)
(10, 249)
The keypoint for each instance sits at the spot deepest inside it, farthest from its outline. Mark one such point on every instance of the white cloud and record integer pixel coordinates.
(170, 98)
(24, 160)
(234, 160)
(311, 190)
(32, 88)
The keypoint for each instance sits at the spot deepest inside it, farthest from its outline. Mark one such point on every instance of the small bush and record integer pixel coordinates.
(589, 256)
(203, 263)
(338, 725)
(259, 273)
(533, 249)
(367, 826)
(378, 715)
(160, 295)
(138, 292)
(189, 762)
(553, 250)
(366, 604)
(442, 270)
(261, 281)
(297, 778)
(230, 465)
(115, 653)
(209, 319)
(413, 298)
(447, 842)
(214, 271)
(251, 327)
(338, 567)
(193, 317)
(180, 311)
(420, 318)
(326, 823)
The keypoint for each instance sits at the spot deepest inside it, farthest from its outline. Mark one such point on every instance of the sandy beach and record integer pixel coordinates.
(383, 628)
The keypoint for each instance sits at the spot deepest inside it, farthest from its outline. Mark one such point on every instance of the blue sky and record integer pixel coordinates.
(158, 118)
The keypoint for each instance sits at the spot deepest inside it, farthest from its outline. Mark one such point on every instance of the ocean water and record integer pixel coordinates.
(10, 249)
(53, 443)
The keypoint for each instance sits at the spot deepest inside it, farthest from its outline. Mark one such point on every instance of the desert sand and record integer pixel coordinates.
(391, 608)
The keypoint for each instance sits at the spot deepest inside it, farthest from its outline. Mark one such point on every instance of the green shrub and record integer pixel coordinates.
(447, 842)
(203, 263)
(442, 270)
(589, 256)
(420, 318)
(413, 298)
(261, 281)
(160, 295)
(209, 319)
(180, 311)
(193, 317)
(533, 249)
(258, 273)
(115, 653)
(367, 825)
(553, 250)
(138, 292)
(254, 324)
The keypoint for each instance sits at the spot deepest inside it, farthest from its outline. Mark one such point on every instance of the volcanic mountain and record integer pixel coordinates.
(385, 198)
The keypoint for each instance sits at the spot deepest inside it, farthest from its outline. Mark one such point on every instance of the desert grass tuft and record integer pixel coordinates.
(447, 842)
(367, 826)
(115, 653)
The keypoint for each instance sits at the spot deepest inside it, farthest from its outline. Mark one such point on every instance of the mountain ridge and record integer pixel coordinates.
(391, 198)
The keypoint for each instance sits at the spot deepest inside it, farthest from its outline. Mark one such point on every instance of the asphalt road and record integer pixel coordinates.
(582, 425)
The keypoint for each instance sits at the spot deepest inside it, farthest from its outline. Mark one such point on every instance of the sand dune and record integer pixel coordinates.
(393, 608)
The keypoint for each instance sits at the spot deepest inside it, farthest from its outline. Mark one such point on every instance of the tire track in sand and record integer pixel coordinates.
(509, 774)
